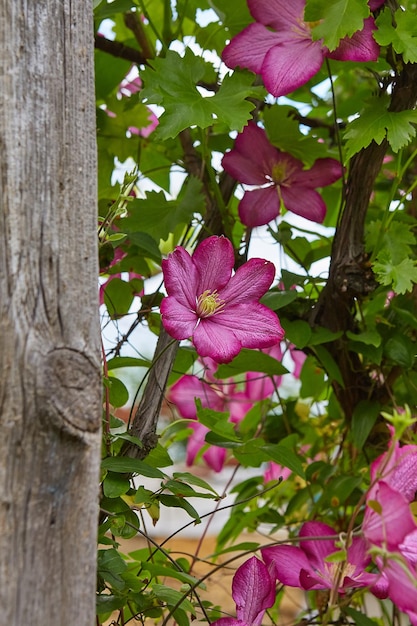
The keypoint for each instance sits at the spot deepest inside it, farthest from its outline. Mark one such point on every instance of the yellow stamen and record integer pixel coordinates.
(279, 173)
(209, 303)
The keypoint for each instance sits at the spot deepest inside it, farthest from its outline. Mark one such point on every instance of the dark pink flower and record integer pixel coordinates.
(280, 178)
(253, 590)
(280, 47)
(388, 519)
(214, 456)
(222, 396)
(307, 566)
(399, 571)
(397, 467)
(221, 313)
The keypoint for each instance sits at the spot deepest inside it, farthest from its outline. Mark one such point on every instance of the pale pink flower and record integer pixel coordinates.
(279, 177)
(221, 313)
(280, 47)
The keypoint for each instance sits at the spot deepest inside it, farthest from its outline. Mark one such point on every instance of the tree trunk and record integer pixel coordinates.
(49, 332)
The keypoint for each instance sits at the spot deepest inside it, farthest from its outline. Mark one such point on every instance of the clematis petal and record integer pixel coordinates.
(218, 342)
(409, 547)
(259, 206)
(322, 173)
(184, 392)
(305, 202)
(215, 457)
(252, 158)
(402, 578)
(181, 277)
(177, 319)
(288, 562)
(252, 590)
(360, 47)
(375, 4)
(248, 48)
(228, 621)
(250, 282)
(357, 554)
(290, 65)
(317, 551)
(278, 14)
(254, 324)
(393, 523)
(214, 259)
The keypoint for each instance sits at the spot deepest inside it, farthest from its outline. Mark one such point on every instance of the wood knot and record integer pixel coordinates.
(69, 389)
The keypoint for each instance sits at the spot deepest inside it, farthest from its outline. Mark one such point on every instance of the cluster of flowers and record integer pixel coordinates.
(388, 537)
(226, 396)
(280, 47)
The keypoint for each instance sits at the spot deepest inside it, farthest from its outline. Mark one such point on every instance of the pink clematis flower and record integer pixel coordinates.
(223, 396)
(253, 590)
(306, 566)
(221, 313)
(214, 456)
(280, 47)
(279, 177)
(397, 467)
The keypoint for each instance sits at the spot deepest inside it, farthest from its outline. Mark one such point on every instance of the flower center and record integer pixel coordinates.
(209, 303)
(338, 571)
(279, 173)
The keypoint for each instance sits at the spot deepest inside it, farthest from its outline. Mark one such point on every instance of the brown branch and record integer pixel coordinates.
(350, 277)
(117, 49)
(133, 22)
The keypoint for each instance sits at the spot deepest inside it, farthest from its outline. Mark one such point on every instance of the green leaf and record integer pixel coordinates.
(126, 361)
(195, 480)
(110, 566)
(156, 215)
(376, 123)
(159, 457)
(131, 466)
(168, 571)
(106, 603)
(147, 245)
(173, 597)
(115, 485)
(281, 454)
(329, 364)
(118, 394)
(118, 297)
(278, 299)
(394, 239)
(230, 104)
(171, 83)
(359, 618)
(402, 36)
(402, 276)
(339, 18)
(368, 337)
(364, 417)
(298, 332)
(217, 422)
(400, 350)
(180, 503)
(251, 361)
